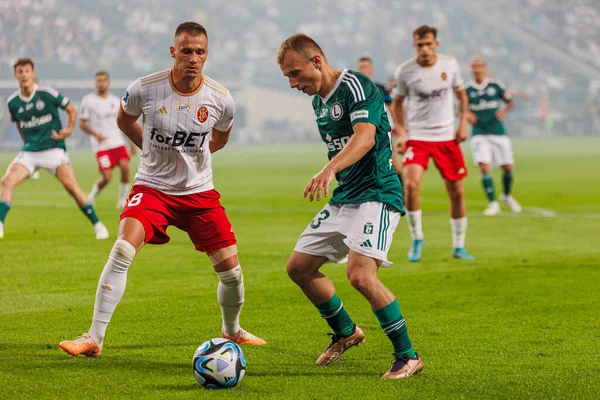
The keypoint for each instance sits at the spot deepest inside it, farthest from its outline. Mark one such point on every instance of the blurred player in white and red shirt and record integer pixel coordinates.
(98, 117)
(186, 117)
(429, 83)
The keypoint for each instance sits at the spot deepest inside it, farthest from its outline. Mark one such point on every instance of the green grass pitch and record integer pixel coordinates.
(520, 322)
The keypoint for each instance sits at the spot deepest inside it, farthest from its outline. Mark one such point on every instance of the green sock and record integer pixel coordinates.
(4, 207)
(88, 210)
(488, 186)
(394, 327)
(336, 316)
(507, 180)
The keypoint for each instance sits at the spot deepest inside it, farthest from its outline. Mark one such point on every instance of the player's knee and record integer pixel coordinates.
(296, 270)
(411, 185)
(232, 277)
(359, 280)
(7, 182)
(121, 255)
(456, 193)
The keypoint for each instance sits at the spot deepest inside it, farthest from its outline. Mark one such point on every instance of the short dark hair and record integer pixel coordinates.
(424, 30)
(299, 43)
(193, 28)
(369, 59)
(102, 73)
(23, 61)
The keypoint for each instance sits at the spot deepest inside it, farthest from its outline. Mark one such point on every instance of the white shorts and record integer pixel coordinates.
(49, 159)
(492, 149)
(366, 228)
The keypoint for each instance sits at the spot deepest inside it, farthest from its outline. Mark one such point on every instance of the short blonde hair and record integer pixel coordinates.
(477, 58)
(299, 43)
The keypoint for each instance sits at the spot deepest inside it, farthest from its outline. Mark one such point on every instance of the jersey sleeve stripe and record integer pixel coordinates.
(155, 80)
(48, 90)
(12, 96)
(219, 89)
(359, 85)
(351, 89)
(353, 84)
(157, 75)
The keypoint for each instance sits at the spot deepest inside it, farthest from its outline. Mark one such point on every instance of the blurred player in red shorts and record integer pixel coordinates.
(98, 118)
(428, 82)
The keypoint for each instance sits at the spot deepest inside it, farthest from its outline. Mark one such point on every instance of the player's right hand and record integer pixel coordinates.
(401, 144)
(100, 138)
(322, 180)
(471, 118)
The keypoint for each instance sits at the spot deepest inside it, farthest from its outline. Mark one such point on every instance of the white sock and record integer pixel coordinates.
(123, 191)
(414, 224)
(93, 193)
(230, 293)
(111, 287)
(459, 232)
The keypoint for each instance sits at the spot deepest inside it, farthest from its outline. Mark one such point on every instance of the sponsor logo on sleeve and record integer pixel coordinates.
(64, 102)
(359, 114)
(126, 97)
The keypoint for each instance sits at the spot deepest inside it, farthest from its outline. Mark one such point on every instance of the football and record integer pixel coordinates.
(218, 364)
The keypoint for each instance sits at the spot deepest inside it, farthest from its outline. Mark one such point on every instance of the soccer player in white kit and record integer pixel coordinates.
(98, 117)
(427, 83)
(186, 117)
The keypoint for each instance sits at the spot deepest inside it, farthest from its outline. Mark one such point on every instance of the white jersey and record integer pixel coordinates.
(101, 115)
(429, 98)
(177, 127)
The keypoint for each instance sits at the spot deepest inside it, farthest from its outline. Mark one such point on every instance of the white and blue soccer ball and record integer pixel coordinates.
(219, 363)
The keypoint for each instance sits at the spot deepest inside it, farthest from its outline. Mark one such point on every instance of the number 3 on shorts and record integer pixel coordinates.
(323, 215)
(135, 200)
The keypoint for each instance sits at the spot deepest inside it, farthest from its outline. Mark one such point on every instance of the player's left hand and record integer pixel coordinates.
(461, 133)
(132, 150)
(500, 114)
(62, 134)
(322, 180)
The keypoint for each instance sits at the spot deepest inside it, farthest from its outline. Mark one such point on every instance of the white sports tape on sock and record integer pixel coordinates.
(232, 277)
(122, 255)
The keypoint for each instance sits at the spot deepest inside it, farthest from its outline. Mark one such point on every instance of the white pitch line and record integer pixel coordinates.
(544, 212)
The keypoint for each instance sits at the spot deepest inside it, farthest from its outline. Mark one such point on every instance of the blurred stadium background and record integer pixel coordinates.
(549, 49)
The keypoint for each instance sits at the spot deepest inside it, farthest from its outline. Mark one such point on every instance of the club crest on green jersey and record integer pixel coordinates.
(336, 111)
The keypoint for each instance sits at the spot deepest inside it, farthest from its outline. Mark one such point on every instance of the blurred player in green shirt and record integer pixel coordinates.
(34, 108)
(489, 143)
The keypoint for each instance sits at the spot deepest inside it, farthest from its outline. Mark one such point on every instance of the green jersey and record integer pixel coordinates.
(354, 99)
(484, 101)
(37, 117)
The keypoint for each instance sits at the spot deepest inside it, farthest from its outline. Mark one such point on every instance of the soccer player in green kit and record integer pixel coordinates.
(358, 222)
(489, 143)
(34, 108)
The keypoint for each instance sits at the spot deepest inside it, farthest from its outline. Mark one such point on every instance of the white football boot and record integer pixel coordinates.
(512, 204)
(493, 208)
(101, 231)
